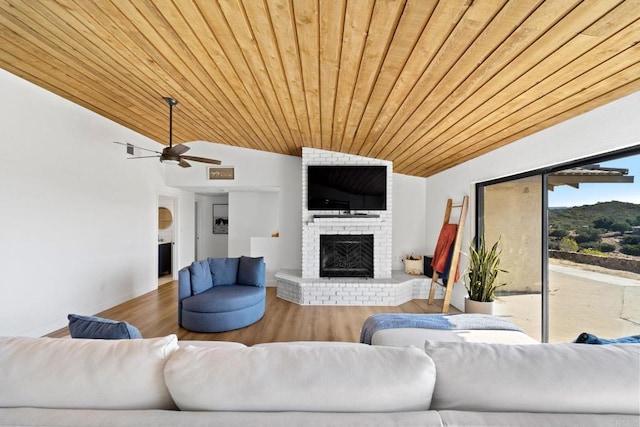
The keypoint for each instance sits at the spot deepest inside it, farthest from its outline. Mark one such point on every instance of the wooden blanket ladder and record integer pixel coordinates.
(455, 256)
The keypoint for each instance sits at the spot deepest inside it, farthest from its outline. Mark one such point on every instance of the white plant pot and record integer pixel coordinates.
(471, 306)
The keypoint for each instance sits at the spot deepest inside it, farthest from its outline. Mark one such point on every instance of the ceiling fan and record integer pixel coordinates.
(173, 154)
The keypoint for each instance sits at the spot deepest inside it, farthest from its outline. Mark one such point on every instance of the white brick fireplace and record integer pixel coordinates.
(307, 287)
(313, 226)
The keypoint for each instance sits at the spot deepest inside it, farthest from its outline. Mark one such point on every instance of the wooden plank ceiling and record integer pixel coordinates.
(427, 84)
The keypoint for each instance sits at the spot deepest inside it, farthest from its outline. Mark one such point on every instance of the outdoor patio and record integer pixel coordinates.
(582, 299)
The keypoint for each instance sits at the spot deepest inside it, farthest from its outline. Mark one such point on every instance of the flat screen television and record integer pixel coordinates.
(347, 188)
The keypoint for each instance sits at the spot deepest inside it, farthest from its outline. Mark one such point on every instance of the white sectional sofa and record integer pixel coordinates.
(161, 382)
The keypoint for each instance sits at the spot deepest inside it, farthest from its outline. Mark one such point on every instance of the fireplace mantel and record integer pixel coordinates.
(346, 216)
(345, 221)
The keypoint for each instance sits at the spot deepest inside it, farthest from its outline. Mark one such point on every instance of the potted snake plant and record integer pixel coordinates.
(481, 278)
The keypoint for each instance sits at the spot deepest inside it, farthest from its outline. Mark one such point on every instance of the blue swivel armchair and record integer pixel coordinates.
(221, 294)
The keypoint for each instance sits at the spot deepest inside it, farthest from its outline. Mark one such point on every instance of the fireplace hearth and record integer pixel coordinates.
(346, 255)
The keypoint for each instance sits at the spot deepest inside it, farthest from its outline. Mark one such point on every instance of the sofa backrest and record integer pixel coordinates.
(319, 376)
(560, 378)
(297, 377)
(85, 374)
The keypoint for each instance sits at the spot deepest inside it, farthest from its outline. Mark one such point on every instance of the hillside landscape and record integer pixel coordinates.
(603, 228)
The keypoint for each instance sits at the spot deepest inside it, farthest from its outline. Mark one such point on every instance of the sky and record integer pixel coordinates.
(589, 194)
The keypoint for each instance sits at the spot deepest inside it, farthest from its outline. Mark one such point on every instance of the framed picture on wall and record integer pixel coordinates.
(220, 219)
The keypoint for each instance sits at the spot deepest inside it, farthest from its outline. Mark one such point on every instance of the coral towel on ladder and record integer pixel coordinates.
(442, 255)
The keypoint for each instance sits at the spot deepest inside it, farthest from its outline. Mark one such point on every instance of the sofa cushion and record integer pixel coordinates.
(224, 298)
(85, 374)
(251, 271)
(355, 378)
(224, 271)
(553, 378)
(200, 277)
(99, 328)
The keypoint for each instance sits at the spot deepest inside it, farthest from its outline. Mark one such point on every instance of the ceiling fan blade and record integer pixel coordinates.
(202, 160)
(173, 153)
(139, 148)
(178, 149)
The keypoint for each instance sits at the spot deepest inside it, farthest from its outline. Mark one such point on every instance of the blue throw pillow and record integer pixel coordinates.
(200, 277)
(224, 271)
(585, 338)
(99, 328)
(251, 271)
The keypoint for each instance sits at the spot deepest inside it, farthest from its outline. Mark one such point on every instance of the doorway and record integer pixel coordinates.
(167, 220)
(210, 241)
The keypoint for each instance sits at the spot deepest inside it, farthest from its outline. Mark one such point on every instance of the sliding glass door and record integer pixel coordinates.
(594, 250)
(570, 240)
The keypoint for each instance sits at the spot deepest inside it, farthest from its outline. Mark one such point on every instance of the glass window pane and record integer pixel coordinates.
(594, 250)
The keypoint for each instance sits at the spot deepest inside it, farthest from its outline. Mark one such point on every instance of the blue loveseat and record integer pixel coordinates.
(221, 294)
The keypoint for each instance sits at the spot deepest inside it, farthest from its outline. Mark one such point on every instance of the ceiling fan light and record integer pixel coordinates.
(170, 159)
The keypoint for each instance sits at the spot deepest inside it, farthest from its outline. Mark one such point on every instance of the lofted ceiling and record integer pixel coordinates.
(426, 84)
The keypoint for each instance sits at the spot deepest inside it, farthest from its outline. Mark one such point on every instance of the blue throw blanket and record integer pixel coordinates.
(586, 338)
(433, 321)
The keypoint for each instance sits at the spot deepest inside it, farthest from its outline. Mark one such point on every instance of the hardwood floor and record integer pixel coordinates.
(155, 314)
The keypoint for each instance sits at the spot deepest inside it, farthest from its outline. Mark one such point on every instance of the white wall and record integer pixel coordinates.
(79, 222)
(409, 212)
(611, 127)
(251, 214)
(253, 219)
(184, 248)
